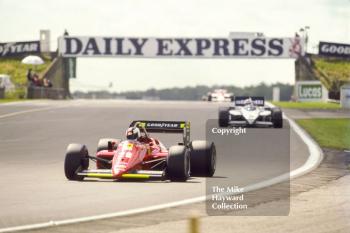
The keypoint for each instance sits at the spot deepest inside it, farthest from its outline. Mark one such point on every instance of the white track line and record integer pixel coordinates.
(14, 103)
(314, 159)
(316, 153)
(28, 111)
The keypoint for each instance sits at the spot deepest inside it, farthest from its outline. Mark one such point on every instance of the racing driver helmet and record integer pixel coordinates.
(248, 102)
(133, 133)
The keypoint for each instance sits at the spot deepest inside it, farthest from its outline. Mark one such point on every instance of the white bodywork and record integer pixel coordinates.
(250, 114)
(220, 95)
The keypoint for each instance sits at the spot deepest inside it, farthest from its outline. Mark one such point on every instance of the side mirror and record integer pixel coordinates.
(110, 145)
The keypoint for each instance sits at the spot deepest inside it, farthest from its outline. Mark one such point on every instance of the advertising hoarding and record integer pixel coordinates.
(345, 96)
(151, 47)
(310, 91)
(10, 49)
(334, 49)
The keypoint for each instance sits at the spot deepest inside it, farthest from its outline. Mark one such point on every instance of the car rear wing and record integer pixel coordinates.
(257, 100)
(182, 127)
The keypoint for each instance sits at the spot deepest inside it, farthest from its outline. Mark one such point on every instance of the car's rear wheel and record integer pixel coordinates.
(277, 119)
(103, 143)
(224, 116)
(76, 160)
(178, 164)
(203, 158)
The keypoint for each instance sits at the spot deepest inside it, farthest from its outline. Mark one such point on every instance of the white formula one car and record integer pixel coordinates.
(219, 95)
(250, 112)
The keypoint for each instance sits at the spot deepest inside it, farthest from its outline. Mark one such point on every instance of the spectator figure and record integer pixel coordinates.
(30, 77)
(65, 33)
(36, 80)
(47, 83)
(296, 50)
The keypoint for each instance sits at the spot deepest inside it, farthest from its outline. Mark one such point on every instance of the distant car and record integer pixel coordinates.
(250, 112)
(143, 157)
(219, 95)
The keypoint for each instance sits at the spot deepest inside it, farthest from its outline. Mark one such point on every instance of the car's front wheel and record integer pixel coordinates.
(224, 116)
(277, 119)
(76, 160)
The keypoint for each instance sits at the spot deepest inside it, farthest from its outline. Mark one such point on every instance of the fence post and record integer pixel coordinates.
(2, 92)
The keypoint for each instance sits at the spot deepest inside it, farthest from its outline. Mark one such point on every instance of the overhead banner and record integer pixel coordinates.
(242, 47)
(334, 49)
(19, 48)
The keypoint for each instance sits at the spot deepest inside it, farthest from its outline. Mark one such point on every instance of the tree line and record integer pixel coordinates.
(193, 93)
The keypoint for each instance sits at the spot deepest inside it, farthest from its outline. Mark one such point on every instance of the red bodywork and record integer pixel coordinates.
(132, 155)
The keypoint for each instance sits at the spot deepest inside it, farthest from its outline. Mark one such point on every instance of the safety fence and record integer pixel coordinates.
(46, 93)
(2, 92)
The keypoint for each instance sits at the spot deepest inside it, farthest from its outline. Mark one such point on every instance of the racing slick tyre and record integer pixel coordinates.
(224, 116)
(203, 158)
(76, 161)
(277, 119)
(178, 164)
(103, 143)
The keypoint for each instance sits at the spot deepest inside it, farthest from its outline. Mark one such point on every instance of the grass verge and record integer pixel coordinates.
(329, 133)
(10, 100)
(18, 73)
(308, 105)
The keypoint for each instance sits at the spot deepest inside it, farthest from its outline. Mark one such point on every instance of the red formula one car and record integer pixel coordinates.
(143, 157)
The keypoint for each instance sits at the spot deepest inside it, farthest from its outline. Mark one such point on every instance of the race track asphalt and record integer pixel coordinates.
(33, 143)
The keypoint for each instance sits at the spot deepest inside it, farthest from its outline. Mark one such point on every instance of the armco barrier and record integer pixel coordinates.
(2, 92)
(46, 93)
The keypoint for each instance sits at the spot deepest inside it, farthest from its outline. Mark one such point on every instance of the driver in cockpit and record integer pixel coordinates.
(249, 104)
(134, 133)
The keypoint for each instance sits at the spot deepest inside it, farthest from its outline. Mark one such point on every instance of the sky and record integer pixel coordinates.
(329, 20)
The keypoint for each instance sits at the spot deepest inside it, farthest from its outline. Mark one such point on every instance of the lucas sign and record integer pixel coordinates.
(311, 91)
(242, 47)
